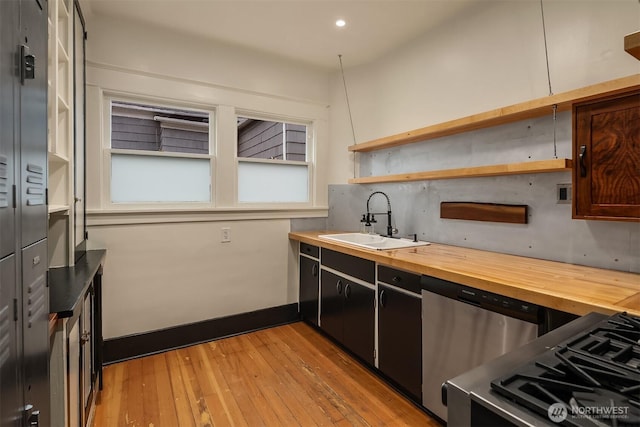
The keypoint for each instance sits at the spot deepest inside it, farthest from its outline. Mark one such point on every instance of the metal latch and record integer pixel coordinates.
(32, 417)
(28, 66)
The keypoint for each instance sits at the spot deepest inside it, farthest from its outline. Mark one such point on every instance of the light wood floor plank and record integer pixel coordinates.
(290, 375)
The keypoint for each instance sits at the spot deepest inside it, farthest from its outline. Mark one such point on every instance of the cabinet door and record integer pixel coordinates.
(35, 328)
(75, 417)
(10, 392)
(606, 153)
(8, 82)
(332, 287)
(309, 288)
(400, 338)
(86, 350)
(33, 122)
(358, 317)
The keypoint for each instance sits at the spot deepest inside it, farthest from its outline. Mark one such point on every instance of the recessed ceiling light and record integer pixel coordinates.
(341, 23)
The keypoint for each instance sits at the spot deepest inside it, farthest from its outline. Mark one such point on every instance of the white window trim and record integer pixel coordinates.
(107, 152)
(222, 141)
(309, 151)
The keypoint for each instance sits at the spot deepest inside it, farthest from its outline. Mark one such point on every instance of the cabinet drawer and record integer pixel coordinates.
(310, 250)
(402, 279)
(362, 269)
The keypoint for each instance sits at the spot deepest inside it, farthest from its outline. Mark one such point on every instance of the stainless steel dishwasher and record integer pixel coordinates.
(462, 328)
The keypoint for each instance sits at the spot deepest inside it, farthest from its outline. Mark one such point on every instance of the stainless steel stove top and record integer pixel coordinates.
(528, 387)
(590, 379)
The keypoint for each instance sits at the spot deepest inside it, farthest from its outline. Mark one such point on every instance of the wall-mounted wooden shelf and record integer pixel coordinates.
(539, 166)
(513, 113)
(632, 44)
(59, 209)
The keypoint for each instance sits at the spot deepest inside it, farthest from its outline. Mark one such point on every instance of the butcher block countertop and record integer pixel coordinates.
(572, 288)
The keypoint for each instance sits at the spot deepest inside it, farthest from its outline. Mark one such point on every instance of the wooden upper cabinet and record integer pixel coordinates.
(606, 155)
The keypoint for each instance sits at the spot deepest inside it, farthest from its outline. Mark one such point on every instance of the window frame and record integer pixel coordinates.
(108, 151)
(309, 156)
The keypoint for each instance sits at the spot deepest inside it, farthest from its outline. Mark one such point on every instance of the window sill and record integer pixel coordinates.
(101, 217)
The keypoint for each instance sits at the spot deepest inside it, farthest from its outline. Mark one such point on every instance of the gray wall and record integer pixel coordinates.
(550, 234)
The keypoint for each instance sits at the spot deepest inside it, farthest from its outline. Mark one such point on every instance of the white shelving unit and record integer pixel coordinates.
(60, 134)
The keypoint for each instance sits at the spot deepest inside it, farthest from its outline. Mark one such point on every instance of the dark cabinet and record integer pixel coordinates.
(309, 288)
(606, 155)
(348, 314)
(24, 295)
(400, 338)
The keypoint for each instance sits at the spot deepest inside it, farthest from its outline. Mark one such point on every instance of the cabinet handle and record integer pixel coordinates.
(396, 279)
(339, 287)
(582, 155)
(347, 291)
(382, 298)
(314, 270)
(84, 338)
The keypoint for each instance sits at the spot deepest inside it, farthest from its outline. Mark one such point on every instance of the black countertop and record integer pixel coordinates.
(67, 285)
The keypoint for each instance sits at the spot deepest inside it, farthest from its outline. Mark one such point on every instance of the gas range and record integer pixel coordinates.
(586, 373)
(590, 379)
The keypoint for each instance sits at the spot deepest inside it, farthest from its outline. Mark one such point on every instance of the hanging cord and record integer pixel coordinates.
(546, 50)
(346, 94)
(555, 106)
(555, 148)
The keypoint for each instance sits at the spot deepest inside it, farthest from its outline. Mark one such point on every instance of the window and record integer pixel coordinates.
(159, 154)
(272, 161)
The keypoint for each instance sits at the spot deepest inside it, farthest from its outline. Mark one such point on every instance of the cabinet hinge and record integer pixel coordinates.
(86, 235)
(375, 354)
(15, 309)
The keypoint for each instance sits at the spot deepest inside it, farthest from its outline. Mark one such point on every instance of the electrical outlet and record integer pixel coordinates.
(564, 193)
(225, 234)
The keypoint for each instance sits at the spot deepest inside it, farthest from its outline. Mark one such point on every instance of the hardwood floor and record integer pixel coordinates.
(285, 376)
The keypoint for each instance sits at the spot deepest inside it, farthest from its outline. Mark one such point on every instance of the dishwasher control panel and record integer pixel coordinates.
(490, 301)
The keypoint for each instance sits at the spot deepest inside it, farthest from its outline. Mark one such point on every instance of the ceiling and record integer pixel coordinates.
(301, 30)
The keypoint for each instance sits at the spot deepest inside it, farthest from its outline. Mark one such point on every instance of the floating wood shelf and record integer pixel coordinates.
(513, 113)
(632, 44)
(58, 209)
(57, 158)
(539, 166)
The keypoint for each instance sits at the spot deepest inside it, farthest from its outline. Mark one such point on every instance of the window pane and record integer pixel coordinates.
(262, 139)
(153, 128)
(275, 183)
(137, 178)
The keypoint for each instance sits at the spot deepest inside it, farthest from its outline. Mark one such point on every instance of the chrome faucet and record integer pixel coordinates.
(370, 217)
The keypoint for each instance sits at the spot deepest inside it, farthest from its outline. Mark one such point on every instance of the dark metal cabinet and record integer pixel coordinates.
(606, 154)
(24, 294)
(35, 317)
(8, 31)
(33, 121)
(309, 288)
(348, 314)
(400, 338)
(10, 391)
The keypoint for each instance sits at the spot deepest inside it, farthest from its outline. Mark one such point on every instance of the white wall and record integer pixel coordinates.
(490, 56)
(161, 275)
(169, 268)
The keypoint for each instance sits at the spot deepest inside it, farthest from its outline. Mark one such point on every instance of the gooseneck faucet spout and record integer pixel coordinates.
(370, 216)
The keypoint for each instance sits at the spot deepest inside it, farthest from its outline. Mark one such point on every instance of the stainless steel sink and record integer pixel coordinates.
(372, 241)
